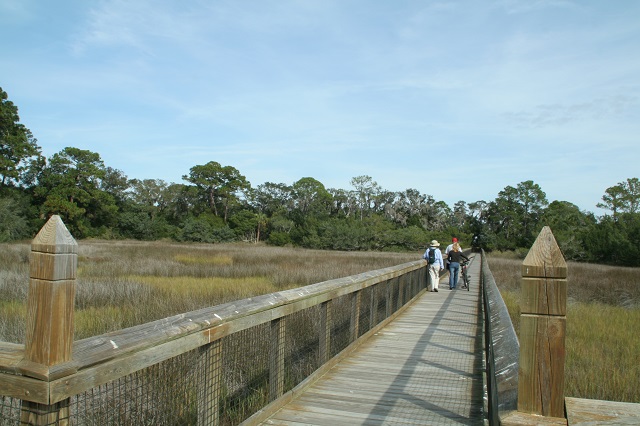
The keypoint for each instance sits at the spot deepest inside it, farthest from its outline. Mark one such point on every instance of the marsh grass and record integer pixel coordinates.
(125, 283)
(603, 318)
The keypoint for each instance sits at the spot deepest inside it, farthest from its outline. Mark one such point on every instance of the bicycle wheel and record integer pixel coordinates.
(465, 278)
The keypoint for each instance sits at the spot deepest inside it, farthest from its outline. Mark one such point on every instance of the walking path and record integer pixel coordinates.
(425, 367)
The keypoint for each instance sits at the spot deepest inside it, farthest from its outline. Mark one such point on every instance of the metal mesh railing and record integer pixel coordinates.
(302, 346)
(502, 349)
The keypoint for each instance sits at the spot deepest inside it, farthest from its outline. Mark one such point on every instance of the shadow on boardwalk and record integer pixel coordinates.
(425, 367)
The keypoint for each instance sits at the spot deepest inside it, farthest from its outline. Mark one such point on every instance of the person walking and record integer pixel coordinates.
(450, 246)
(433, 255)
(446, 252)
(453, 259)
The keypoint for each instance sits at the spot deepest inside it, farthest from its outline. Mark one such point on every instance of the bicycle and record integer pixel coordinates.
(465, 276)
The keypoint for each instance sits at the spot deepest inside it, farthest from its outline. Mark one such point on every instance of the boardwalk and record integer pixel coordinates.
(425, 367)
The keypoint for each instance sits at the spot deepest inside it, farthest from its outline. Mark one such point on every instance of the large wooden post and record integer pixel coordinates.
(49, 336)
(542, 329)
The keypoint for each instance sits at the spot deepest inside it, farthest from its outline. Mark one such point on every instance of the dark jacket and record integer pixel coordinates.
(454, 256)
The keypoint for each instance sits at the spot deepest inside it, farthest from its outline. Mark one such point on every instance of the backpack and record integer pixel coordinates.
(431, 255)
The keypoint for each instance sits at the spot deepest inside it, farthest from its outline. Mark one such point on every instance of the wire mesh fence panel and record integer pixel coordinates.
(163, 394)
(364, 322)
(245, 377)
(340, 324)
(381, 302)
(9, 411)
(302, 345)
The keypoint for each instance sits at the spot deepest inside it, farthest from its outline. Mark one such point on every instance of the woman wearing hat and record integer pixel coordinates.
(436, 264)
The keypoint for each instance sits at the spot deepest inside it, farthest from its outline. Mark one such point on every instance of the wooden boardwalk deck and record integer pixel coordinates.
(425, 367)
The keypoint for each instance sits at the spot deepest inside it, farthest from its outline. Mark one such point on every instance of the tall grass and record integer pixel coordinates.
(603, 319)
(126, 283)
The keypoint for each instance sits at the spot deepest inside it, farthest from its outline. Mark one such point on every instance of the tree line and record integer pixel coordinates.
(216, 203)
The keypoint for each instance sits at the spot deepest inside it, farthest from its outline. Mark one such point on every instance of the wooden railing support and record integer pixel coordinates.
(354, 322)
(373, 309)
(210, 390)
(324, 350)
(49, 336)
(542, 329)
(276, 358)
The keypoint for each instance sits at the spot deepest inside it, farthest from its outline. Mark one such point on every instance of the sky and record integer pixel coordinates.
(457, 99)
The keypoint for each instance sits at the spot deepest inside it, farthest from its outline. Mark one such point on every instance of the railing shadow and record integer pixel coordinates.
(444, 316)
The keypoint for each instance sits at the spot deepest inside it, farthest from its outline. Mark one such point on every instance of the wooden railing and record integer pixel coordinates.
(219, 365)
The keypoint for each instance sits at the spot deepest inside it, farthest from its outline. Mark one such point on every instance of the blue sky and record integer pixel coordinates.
(457, 99)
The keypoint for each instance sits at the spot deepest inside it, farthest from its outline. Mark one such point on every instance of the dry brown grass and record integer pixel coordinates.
(602, 326)
(125, 283)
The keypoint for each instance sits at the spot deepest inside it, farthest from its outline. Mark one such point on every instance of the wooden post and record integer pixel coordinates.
(49, 336)
(373, 313)
(325, 333)
(210, 389)
(354, 322)
(400, 281)
(542, 329)
(388, 299)
(276, 359)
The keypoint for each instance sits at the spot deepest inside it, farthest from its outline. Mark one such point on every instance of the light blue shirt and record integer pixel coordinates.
(438, 256)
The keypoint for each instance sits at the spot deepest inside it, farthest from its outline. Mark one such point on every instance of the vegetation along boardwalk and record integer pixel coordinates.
(425, 367)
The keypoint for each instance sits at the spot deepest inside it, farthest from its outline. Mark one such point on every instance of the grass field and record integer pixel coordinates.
(121, 284)
(603, 323)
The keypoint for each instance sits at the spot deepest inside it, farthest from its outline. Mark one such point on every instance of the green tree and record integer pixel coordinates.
(270, 198)
(71, 187)
(149, 193)
(311, 197)
(613, 199)
(514, 215)
(569, 226)
(366, 191)
(219, 183)
(18, 147)
(408, 208)
(622, 198)
(13, 225)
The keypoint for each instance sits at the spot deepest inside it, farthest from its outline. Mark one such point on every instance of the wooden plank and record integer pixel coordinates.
(10, 356)
(517, 418)
(26, 388)
(583, 412)
(129, 363)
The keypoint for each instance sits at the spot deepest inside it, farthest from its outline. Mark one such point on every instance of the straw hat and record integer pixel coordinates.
(434, 243)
